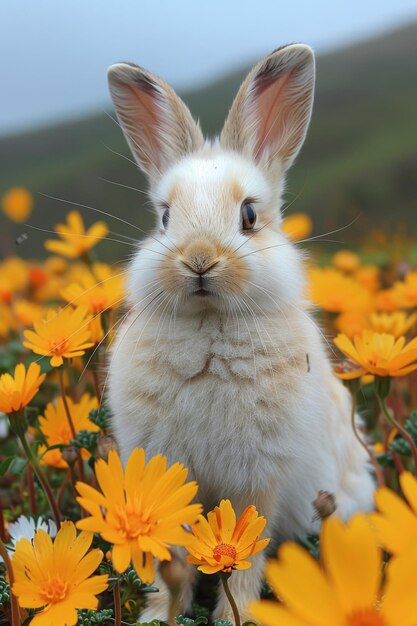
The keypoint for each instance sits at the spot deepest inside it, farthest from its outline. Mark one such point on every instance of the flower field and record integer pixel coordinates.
(81, 536)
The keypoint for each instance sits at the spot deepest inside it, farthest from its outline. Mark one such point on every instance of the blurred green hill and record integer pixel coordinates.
(359, 159)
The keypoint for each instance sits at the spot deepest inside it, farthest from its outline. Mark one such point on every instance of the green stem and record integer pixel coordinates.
(375, 464)
(41, 477)
(13, 600)
(391, 419)
(117, 604)
(224, 577)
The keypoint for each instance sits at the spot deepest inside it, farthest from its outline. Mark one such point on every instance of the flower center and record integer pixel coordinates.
(98, 303)
(224, 549)
(54, 590)
(365, 617)
(132, 522)
(58, 346)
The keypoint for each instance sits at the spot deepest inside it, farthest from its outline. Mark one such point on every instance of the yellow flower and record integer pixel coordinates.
(18, 390)
(221, 543)
(27, 313)
(387, 300)
(76, 241)
(395, 521)
(13, 278)
(379, 354)
(346, 589)
(297, 226)
(57, 575)
(397, 324)
(56, 429)
(368, 276)
(99, 291)
(333, 291)
(141, 510)
(352, 323)
(346, 261)
(17, 204)
(63, 334)
(406, 291)
(7, 320)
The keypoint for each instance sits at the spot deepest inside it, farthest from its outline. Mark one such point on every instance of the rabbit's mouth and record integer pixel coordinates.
(202, 293)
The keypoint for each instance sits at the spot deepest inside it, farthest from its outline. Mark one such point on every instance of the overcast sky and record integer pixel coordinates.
(54, 53)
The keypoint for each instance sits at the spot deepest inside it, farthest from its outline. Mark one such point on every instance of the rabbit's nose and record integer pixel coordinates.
(200, 256)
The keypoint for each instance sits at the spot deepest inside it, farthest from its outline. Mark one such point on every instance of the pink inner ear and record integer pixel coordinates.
(272, 110)
(143, 98)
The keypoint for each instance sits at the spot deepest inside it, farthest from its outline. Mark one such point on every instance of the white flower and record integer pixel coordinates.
(27, 527)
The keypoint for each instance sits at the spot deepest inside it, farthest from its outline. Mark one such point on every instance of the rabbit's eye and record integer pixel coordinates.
(165, 218)
(248, 216)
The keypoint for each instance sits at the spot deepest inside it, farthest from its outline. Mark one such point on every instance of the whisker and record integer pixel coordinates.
(109, 331)
(91, 208)
(113, 182)
(124, 335)
(53, 232)
(315, 238)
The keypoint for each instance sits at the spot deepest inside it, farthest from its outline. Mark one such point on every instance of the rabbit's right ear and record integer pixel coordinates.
(271, 112)
(158, 126)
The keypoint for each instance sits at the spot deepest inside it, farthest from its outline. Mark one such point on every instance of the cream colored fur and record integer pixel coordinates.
(236, 385)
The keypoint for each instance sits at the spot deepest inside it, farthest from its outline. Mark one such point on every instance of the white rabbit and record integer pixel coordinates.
(219, 364)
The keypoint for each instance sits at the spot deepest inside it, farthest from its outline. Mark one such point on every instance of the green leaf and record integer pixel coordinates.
(100, 418)
(87, 618)
(223, 622)
(4, 465)
(4, 591)
(154, 622)
(186, 621)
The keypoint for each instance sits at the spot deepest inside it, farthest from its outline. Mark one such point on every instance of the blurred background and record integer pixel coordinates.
(57, 135)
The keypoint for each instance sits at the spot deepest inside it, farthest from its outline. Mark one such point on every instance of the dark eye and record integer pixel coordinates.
(165, 218)
(248, 216)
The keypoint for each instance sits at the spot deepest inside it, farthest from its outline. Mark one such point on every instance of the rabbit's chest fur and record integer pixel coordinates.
(233, 400)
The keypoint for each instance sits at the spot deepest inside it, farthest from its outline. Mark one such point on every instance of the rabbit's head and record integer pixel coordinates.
(218, 243)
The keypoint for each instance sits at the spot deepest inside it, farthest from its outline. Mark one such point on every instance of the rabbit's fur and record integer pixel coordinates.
(237, 384)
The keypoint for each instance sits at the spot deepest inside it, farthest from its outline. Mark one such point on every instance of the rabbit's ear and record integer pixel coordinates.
(158, 126)
(270, 114)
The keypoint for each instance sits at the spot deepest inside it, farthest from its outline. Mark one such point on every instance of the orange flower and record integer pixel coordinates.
(396, 520)
(141, 510)
(297, 226)
(346, 261)
(56, 576)
(368, 276)
(18, 390)
(387, 300)
(352, 323)
(333, 291)
(221, 543)
(98, 290)
(406, 291)
(63, 334)
(56, 429)
(379, 354)
(397, 324)
(27, 313)
(17, 204)
(76, 241)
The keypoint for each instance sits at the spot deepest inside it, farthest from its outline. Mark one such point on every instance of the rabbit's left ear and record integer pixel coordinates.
(269, 117)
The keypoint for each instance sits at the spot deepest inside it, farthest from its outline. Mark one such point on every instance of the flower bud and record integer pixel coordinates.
(324, 504)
